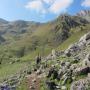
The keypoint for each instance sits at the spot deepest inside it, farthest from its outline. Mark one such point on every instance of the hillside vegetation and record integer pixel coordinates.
(21, 41)
(24, 39)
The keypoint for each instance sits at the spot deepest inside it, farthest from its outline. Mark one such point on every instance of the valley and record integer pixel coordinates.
(63, 46)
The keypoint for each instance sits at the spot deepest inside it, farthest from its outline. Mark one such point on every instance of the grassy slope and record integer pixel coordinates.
(74, 37)
(23, 85)
(45, 38)
(41, 35)
(7, 70)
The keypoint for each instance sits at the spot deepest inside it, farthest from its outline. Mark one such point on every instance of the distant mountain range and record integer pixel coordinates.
(22, 38)
(85, 14)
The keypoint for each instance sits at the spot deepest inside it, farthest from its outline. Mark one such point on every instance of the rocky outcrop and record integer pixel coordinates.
(83, 84)
(54, 54)
(77, 47)
(82, 70)
(86, 61)
(84, 13)
(72, 49)
(84, 40)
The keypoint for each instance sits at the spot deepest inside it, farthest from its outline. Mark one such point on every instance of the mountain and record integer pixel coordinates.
(85, 14)
(2, 21)
(16, 29)
(32, 38)
(62, 46)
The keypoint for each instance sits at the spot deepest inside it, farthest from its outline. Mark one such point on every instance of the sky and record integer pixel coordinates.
(40, 10)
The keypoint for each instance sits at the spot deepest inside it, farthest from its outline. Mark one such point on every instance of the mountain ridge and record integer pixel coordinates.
(35, 37)
(56, 52)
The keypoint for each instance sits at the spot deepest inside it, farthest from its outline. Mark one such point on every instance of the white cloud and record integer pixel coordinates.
(48, 1)
(36, 5)
(60, 6)
(86, 3)
(54, 6)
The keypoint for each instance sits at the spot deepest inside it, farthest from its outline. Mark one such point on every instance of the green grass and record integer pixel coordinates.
(31, 56)
(73, 38)
(23, 85)
(7, 70)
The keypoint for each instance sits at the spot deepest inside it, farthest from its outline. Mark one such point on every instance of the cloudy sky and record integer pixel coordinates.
(40, 10)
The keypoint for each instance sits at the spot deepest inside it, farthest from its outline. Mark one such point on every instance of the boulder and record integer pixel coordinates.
(82, 84)
(4, 87)
(89, 75)
(82, 70)
(86, 61)
(67, 64)
(73, 66)
(38, 72)
(71, 49)
(63, 88)
(84, 40)
(34, 80)
(32, 87)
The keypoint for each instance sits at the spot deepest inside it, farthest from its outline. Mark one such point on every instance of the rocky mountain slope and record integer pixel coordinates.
(67, 70)
(63, 70)
(63, 49)
(31, 38)
(85, 14)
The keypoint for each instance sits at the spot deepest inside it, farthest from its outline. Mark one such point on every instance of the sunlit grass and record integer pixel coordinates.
(7, 70)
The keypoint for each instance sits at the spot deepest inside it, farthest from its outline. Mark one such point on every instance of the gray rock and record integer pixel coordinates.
(84, 40)
(38, 72)
(82, 84)
(86, 61)
(89, 75)
(73, 66)
(34, 80)
(32, 87)
(63, 88)
(67, 64)
(60, 73)
(72, 49)
(82, 70)
(64, 81)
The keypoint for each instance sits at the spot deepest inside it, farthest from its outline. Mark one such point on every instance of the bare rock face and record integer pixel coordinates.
(83, 13)
(84, 40)
(86, 61)
(83, 84)
(81, 44)
(82, 70)
(71, 49)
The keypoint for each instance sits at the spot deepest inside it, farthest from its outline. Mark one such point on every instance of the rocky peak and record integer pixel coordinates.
(84, 13)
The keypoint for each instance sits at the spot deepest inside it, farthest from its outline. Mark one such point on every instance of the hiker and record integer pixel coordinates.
(38, 59)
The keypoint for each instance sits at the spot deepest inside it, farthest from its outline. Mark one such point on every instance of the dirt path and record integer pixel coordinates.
(33, 81)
